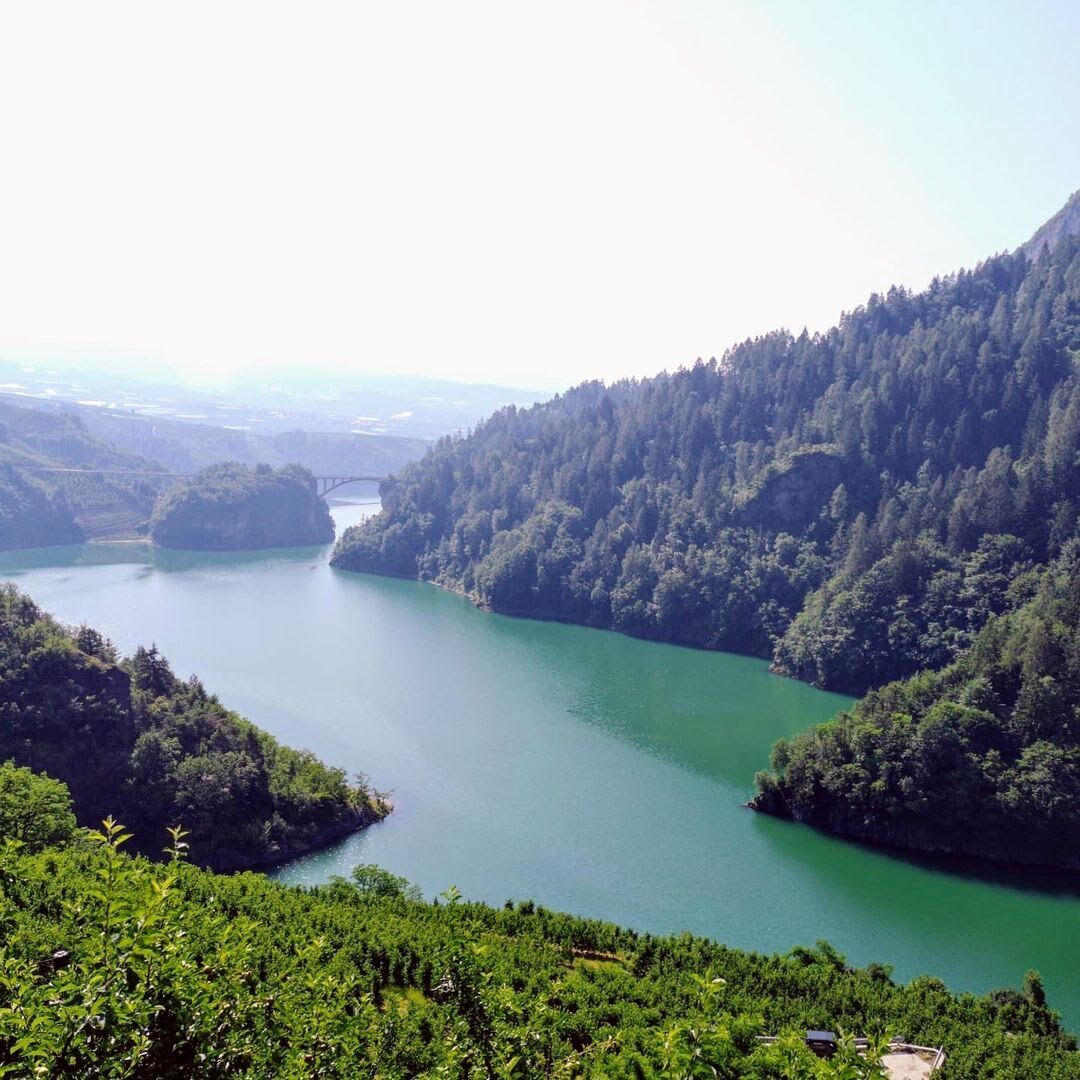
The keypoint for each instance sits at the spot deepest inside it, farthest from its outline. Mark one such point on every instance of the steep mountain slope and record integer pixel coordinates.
(880, 481)
(1066, 222)
(980, 758)
(54, 508)
(860, 505)
(229, 507)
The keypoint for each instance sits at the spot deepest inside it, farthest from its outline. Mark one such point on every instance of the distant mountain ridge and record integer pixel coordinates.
(39, 508)
(32, 437)
(183, 446)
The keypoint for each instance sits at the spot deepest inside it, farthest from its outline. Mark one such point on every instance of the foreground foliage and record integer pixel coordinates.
(230, 507)
(112, 966)
(130, 736)
(982, 757)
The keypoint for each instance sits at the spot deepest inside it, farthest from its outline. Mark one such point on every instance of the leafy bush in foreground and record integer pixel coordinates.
(112, 966)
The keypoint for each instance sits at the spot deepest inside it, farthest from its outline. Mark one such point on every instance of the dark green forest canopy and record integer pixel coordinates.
(130, 737)
(231, 507)
(111, 966)
(982, 757)
(851, 504)
(861, 505)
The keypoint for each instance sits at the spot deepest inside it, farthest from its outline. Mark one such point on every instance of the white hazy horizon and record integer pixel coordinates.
(486, 191)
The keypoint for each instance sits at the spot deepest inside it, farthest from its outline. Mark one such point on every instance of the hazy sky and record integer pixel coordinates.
(506, 190)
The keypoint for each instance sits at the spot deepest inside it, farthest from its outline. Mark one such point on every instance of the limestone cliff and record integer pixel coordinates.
(1066, 222)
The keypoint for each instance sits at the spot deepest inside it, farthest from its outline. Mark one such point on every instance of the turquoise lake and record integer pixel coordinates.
(594, 773)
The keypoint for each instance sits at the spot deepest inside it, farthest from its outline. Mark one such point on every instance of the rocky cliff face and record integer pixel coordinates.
(1066, 222)
(793, 490)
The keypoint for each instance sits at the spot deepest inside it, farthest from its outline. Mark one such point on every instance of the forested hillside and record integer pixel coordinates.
(129, 737)
(230, 507)
(982, 757)
(851, 504)
(858, 506)
(111, 966)
(31, 516)
(39, 508)
(188, 447)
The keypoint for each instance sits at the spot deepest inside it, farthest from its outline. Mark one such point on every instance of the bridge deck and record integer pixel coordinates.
(325, 484)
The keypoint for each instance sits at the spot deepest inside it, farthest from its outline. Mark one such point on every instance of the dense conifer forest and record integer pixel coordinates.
(112, 966)
(858, 506)
(231, 507)
(981, 757)
(129, 736)
(850, 504)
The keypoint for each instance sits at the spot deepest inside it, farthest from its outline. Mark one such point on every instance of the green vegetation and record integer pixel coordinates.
(850, 504)
(132, 737)
(112, 966)
(39, 508)
(35, 810)
(982, 757)
(231, 507)
(30, 516)
(860, 506)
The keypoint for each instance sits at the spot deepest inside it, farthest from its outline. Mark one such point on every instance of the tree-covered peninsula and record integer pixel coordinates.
(112, 966)
(231, 507)
(979, 758)
(130, 737)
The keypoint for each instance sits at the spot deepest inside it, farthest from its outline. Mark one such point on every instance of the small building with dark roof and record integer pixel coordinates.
(823, 1043)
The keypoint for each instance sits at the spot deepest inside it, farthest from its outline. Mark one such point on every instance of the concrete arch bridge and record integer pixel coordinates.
(325, 484)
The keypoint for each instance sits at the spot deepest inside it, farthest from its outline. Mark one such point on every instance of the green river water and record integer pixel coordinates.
(592, 772)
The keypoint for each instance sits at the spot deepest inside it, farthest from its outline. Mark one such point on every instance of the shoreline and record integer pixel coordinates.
(325, 837)
(531, 616)
(952, 860)
(944, 855)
